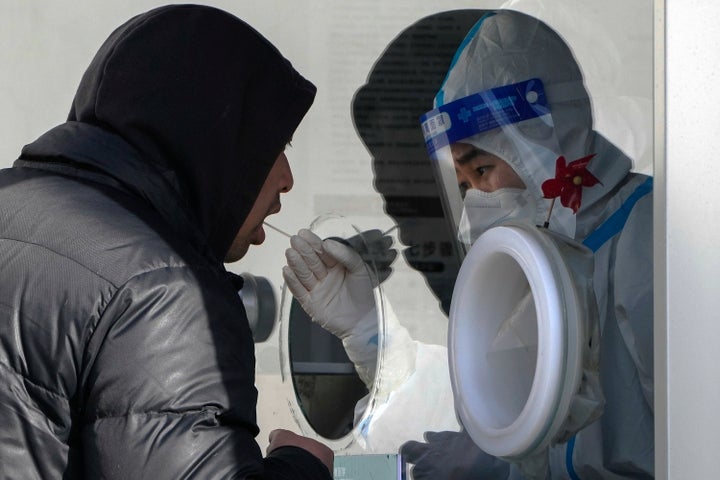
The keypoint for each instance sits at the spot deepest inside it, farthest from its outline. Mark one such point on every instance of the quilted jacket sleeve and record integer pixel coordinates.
(168, 386)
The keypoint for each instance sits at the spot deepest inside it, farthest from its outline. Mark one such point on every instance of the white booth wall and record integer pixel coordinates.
(687, 234)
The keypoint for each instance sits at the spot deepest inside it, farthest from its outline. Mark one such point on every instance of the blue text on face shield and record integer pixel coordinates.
(483, 111)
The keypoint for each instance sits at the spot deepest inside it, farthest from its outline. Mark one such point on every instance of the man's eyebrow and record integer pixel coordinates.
(470, 154)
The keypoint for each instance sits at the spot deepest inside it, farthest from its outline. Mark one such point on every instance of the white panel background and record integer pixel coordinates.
(687, 235)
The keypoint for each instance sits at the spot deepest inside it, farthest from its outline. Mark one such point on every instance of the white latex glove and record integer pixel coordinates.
(332, 284)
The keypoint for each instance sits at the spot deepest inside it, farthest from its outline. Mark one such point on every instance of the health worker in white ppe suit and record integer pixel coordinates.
(512, 135)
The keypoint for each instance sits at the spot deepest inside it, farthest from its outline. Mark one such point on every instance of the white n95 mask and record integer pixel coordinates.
(482, 210)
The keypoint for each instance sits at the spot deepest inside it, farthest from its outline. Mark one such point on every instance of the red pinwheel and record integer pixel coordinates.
(569, 181)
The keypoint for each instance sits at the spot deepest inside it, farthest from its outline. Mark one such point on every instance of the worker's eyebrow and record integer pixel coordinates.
(470, 154)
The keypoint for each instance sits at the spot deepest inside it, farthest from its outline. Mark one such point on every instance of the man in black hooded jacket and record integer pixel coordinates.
(125, 352)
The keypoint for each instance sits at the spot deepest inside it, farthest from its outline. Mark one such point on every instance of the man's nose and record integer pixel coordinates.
(287, 180)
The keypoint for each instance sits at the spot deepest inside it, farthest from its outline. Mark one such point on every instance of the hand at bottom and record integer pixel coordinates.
(451, 456)
(285, 438)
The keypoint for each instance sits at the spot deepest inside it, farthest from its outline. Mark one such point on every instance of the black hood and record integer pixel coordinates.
(204, 98)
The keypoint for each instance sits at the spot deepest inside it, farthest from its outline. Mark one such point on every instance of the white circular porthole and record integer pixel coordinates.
(516, 328)
(326, 395)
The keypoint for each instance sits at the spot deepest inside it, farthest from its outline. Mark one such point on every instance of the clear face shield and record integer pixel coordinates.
(506, 135)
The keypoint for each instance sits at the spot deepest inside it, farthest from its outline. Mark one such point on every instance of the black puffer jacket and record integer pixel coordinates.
(125, 351)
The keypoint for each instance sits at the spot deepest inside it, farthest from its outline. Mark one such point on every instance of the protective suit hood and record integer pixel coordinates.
(212, 120)
(507, 47)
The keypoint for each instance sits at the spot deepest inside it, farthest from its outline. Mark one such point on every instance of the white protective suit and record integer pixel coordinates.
(614, 220)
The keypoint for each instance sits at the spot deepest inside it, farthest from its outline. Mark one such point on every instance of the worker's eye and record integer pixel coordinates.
(481, 170)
